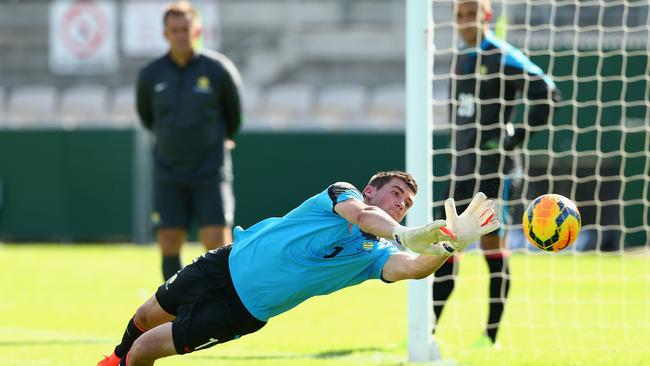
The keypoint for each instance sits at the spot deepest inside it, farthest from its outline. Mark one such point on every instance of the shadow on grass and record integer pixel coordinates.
(335, 353)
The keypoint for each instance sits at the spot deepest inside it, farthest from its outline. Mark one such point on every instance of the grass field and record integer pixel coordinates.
(66, 305)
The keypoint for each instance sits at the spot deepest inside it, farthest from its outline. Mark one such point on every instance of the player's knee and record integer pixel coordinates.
(491, 243)
(144, 316)
(214, 236)
(151, 314)
(142, 352)
(141, 318)
(171, 240)
(213, 243)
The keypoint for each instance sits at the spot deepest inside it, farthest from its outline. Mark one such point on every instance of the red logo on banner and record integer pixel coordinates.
(83, 28)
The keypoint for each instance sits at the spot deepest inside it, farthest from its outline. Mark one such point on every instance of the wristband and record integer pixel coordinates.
(447, 248)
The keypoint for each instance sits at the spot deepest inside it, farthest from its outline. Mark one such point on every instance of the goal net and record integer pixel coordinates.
(589, 304)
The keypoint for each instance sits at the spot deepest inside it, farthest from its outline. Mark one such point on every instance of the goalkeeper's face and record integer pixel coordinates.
(394, 197)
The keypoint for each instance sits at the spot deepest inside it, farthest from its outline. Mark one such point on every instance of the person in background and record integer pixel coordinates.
(489, 76)
(189, 99)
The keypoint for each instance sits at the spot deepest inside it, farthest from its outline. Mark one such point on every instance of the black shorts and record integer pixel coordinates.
(176, 204)
(480, 173)
(465, 189)
(207, 308)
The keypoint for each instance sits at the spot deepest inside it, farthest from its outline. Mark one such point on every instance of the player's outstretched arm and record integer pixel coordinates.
(369, 219)
(475, 221)
(401, 265)
(376, 221)
(430, 239)
(454, 233)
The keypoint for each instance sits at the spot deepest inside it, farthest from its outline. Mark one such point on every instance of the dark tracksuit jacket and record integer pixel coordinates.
(190, 110)
(479, 91)
(487, 82)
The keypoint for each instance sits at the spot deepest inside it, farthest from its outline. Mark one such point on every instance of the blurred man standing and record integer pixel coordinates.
(189, 99)
(489, 76)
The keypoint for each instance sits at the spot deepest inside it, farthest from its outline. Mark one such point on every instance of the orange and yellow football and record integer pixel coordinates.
(551, 222)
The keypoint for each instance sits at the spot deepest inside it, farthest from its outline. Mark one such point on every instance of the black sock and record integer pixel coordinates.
(122, 362)
(171, 265)
(131, 333)
(499, 287)
(444, 280)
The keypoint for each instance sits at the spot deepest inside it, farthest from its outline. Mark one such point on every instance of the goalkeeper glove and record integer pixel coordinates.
(424, 239)
(475, 221)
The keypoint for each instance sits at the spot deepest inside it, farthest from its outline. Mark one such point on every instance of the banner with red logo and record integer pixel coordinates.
(83, 37)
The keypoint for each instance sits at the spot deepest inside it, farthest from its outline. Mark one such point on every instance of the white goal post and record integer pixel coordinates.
(419, 66)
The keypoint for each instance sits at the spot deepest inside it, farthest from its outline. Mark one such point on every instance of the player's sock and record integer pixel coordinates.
(499, 287)
(132, 332)
(125, 360)
(170, 265)
(443, 284)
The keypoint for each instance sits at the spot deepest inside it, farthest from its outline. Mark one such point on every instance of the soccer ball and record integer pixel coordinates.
(551, 222)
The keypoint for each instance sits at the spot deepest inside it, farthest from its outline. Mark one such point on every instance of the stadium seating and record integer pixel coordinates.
(311, 42)
(289, 106)
(122, 108)
(281, 106)
(85, 105)
(440, 102)
(33, 106)
(387, 107)
(251, 105)
(341, 106)
(3, 112)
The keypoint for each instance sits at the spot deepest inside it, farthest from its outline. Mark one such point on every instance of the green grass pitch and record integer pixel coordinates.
(66, 305)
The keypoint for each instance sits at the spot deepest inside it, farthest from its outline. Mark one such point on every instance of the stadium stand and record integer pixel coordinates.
(387, 107)
(123, 106)
(85, 105)
(2, 107)
(252, 99)
(341, 106)
(441, 102)
(319, 44)
(33, 106)
(289, 105)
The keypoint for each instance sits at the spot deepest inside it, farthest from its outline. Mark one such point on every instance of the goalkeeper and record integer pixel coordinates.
(489, 76)
(333, 240)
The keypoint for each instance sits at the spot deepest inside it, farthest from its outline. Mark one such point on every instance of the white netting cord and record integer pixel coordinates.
(575, 156)
(596, 151)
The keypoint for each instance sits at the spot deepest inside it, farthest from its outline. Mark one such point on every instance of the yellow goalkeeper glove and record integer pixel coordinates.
(477, 220)
(425, 239)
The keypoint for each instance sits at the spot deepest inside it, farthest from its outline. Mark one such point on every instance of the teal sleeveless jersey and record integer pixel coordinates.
(280, 262)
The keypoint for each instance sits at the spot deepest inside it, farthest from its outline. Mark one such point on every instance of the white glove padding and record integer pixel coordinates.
(477, 220)
(424, 239)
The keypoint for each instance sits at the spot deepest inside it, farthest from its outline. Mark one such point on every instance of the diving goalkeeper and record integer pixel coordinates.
(333, 240)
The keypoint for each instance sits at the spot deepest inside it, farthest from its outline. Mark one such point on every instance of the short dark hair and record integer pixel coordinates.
(381, 178)
(483, 4)
(180, 8)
